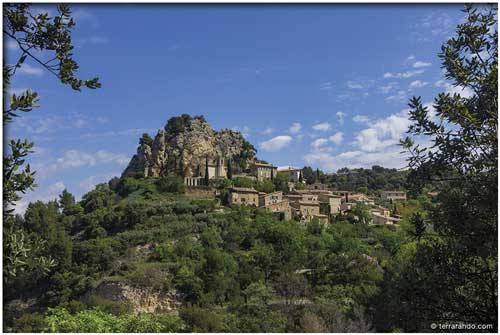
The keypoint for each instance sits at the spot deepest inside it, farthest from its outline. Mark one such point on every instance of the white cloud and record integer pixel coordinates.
(52, 192)
(295, 128)
(399, 96)
(409, 59)
(88, 183)
(419, 64)
(57, 188)
(389, 87)
(323, 126)
(437, 24)
(356, 159)
(354, 85)
(337, 137)
(318, 143)
(359, 84)
(406, 74)
(417, 84)
(41, 124)
(267, 131)
(30, 70)
(80, 123)
(361, 119)
(38, 125)
(340, 117)
(276, 143)
(464, 92)
(383, 133)
(76, 158)
(327, 86)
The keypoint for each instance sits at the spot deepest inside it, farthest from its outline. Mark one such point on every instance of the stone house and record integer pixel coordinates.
(293, 197)
(360, 197)
(217, 168)
(381, 211)
(275, 203)
(243, 196)
(393, 195)
(263, 171)
(307, 210)
(346, 207)
(333, 201)
(266, 199)
(379, 219)
(293, 173)
(317, 186)
(306, 195)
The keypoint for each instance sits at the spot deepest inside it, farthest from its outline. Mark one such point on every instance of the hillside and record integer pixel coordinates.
(143, 249)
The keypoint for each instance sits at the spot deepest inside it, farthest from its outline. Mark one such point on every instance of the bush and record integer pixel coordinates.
(243, 182)
(28, 323)
(110, 306)
(59, 320)
(171, 184)
(150, 275)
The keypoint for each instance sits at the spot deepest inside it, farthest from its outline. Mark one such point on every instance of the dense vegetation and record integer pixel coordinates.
(241, 269)
(369, 181)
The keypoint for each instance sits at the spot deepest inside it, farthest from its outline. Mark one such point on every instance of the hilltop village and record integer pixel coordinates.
(301, 201)
(223, 165)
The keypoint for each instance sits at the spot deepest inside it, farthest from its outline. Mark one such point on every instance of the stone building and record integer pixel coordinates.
(276, 203)
(317, 186)
(217, 168)
(379, 219)
(263, 171)
(243, 196)
(266, 199)
(307, 210)
(393, 195)
(333, 201)
(293, 173)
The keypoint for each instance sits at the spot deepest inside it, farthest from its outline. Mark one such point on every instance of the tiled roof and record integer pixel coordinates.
(243, 189)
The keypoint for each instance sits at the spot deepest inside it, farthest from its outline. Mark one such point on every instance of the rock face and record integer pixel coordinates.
(184, 146)
(142, 299)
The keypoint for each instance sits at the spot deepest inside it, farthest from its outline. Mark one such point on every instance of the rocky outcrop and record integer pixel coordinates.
(142, 299)
(183, 147)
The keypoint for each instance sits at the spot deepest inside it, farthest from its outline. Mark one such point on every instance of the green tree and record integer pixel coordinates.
(146, 140)
(229, 169)
(454, 274)
(362, 211)
(207, 176)
(171, 184)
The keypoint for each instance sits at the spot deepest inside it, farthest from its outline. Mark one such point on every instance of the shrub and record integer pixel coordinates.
(171, 184)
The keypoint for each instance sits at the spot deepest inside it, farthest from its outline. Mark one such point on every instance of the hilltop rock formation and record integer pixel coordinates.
(184, 145)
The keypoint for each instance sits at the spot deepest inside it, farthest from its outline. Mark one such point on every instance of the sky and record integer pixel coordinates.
(319, 85)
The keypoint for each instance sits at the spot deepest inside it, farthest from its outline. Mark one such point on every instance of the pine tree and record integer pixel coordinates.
(229, 169)
(206, 171)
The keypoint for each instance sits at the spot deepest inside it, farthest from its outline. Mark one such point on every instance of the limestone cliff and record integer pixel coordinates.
(184, 145)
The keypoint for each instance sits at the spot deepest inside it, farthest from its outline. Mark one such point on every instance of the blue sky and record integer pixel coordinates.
(323, 85)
